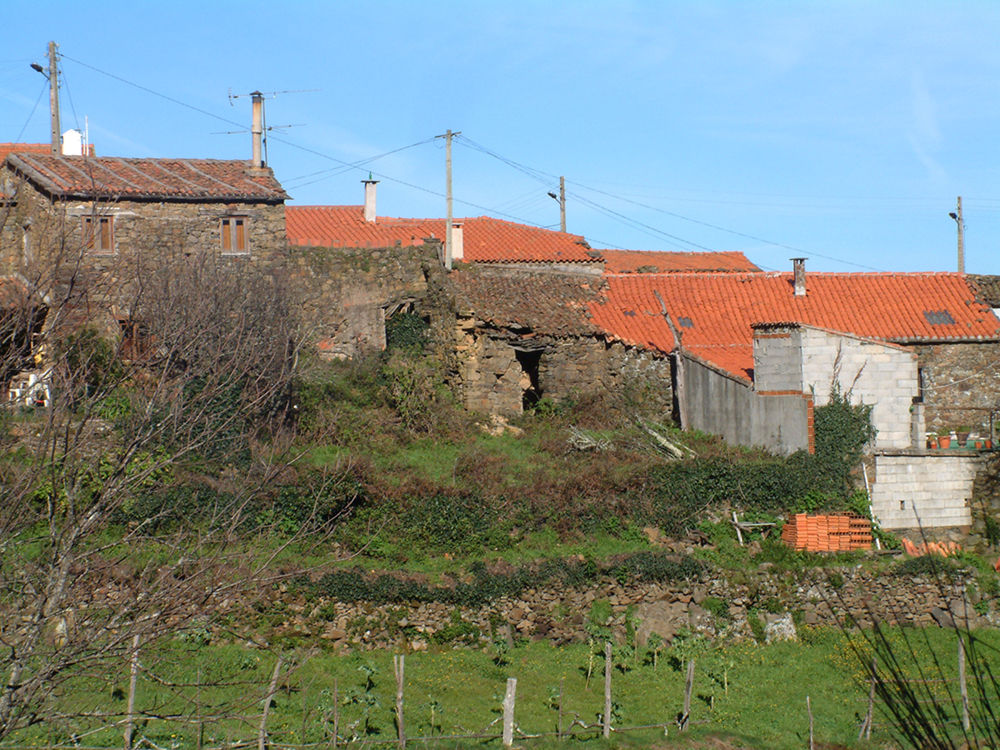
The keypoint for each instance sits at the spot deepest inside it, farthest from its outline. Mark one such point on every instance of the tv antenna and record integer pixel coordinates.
(260, 96)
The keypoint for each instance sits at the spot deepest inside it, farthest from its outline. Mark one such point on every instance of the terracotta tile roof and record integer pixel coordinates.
(647, 261)
(345, 226)
(151, 179)
(531, 303)
(23, 148)
(484, 238)
(714, 312)
(989, 288)
(15, 293)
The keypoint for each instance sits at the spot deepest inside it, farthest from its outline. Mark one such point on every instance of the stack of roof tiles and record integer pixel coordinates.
(827, 533)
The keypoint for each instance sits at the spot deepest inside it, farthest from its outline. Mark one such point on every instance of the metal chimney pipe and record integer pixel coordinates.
(799, 269)
(257, 129)
(370, 198)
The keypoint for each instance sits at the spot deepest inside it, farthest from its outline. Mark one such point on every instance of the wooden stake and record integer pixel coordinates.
(336, 713)
(812, 745)
(866, 725)
(961, 684)
(262, 730)
(132, 680)
(559, 721)
(606, 729)
(688, 687)
(508, 712)
(399, 667)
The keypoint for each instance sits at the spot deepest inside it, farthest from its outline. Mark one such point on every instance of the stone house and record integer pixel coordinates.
(82, 229)
(518, 337)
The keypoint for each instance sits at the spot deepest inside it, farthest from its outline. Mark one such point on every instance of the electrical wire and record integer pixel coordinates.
(32, 114)
(154, 93)
(354, 165)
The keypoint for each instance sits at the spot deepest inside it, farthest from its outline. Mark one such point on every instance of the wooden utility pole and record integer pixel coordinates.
(54, 99)
(447, 228)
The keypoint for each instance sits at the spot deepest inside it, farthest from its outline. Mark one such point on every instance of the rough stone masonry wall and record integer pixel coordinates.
(937, 489)
(345, 293)
(144, 233)
(560, 615)
(961, 385)
(492, 380)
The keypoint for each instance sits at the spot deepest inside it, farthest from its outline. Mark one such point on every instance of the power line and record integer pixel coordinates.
(154, 93)
(32, 113)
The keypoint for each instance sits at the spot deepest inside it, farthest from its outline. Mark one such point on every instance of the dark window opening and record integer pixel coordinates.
(529, 367)
(136, 342)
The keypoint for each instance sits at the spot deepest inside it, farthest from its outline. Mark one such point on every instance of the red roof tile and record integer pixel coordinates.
(484, 238)
(23, 148)
(714, 312)
(157, 179)
(647, 261)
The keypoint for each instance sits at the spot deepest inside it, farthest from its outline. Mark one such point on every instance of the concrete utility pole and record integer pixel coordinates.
(447, 228)
(957, 216)
(562, 203)
(54, 99)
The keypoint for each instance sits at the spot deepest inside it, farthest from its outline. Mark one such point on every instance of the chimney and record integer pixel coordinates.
(370, 198)
(457, 248)
(799, 268)
(257, 129)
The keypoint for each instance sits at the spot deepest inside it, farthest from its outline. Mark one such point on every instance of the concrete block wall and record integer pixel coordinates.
(872, 373)
(935, 488)
(777, 361)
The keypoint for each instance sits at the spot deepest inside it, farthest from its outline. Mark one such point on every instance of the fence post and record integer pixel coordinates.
(399, 666)
(336, 713)
(866, 726)
(688, 687)
(606, 721)
(961, 683)
(508, 712)
(133, 678)
(559, 721)
(809, 710)
(262, 730)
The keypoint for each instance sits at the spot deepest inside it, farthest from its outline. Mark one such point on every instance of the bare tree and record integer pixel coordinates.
(152, 369)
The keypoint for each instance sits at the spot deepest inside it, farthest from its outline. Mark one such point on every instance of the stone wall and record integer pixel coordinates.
(961, 385)
(937, 489)
(44, 242)
(715, 605)
(346, 293)
(497, 369)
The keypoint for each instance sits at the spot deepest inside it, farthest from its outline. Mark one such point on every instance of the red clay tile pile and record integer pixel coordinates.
(841, 532)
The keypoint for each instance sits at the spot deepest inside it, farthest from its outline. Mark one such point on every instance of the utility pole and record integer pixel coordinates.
(447, 229)
(562, 204)
(957, 216)
(561, 198)
(54, 99)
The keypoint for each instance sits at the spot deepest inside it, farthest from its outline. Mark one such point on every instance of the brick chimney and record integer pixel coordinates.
(370, 198)
(799, 269)
(457, 248)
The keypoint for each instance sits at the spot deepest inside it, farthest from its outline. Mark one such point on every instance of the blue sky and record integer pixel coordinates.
(841, 131)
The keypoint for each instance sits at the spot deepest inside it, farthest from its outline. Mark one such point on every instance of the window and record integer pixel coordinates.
(234, 236)
(99, 234)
